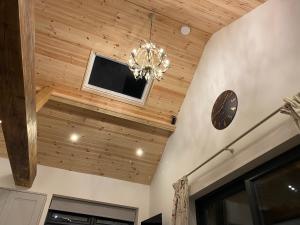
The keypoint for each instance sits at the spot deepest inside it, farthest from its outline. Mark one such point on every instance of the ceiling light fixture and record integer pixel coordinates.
(0, 121)
(185, 30)
(139, 152)
(74, 137)
(148, 61)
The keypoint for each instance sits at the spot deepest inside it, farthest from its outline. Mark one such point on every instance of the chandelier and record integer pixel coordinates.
(148, 61)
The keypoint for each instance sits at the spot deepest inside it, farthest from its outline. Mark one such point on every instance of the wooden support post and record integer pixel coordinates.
(42, 97)
(17, 88)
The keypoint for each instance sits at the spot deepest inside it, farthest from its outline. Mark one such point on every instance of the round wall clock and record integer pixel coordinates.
(224, 110)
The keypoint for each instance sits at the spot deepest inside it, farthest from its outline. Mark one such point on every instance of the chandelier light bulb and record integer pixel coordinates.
(166, 62)
(130, 62)
(161, 51)
(134, 52)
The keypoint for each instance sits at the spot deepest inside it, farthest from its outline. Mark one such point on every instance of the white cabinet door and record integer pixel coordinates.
(22, 208)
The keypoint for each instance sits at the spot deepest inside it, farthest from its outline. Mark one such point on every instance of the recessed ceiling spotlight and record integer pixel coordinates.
(74, 137)
(185, 30)
(139, 152)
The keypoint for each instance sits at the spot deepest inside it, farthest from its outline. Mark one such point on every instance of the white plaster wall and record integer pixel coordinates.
(62, 182)
(257, 56)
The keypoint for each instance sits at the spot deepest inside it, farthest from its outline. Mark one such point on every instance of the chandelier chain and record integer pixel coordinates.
(151, 24)
(148, 61)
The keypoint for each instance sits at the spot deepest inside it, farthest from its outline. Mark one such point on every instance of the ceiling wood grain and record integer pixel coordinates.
(68, 30)
(106, 145)
(206, 15)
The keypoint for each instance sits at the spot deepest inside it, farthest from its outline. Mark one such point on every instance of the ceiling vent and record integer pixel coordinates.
(114, 79)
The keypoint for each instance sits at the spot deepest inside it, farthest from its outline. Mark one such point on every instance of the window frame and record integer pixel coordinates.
(51, 221)
(108, 93)
(91, 220)
(247, 181)
(218, 197)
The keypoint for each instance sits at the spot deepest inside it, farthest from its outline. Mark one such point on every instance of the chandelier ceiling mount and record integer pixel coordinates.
(148, 61)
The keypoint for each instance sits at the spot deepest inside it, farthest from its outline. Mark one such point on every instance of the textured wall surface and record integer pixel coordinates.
(257, 56)
(62, 182)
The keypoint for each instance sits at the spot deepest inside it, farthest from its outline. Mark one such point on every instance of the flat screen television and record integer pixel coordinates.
(155, 220)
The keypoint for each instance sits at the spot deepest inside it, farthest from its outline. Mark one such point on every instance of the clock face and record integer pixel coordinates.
(224, 110)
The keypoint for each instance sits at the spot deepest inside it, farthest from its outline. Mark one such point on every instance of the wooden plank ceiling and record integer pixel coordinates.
(67, 31)
(106, 146)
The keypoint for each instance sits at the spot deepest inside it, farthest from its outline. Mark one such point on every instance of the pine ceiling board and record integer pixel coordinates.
(76, 155)
(238, 7)
(59, 131)
(59, 49)
(68, 30)
(109, 170)
(116, 173)
(113, 28)
(148, 113)
(113, 133)
(110, 121)
(106, 147)
(206, 15)
(91, 158)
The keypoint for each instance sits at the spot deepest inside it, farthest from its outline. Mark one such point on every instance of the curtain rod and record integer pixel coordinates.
(226, 148)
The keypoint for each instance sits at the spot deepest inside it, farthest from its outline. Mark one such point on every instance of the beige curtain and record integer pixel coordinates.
(292, 108)
(180, 214)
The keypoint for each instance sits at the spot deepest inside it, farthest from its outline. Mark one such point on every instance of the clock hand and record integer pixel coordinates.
(221, 107)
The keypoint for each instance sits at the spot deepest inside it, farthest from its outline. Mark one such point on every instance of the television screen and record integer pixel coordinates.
(156, 220)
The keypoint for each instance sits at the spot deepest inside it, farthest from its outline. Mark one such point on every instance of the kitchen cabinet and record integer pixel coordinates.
(20, 208)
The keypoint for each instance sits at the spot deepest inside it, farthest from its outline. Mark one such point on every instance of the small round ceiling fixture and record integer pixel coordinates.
(139, 152)
(74, 137)
(185, 30)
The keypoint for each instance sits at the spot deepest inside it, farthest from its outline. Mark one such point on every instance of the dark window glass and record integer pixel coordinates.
(211, 214)
(228, 208)
(278, 195)
(62, 218)
(267, 195)
(68, 218)
(55, 217)
(155, 220)
(108, 222)
(237, 210)
(116, 77)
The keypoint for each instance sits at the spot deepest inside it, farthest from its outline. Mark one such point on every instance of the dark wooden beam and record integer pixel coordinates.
(17, 88)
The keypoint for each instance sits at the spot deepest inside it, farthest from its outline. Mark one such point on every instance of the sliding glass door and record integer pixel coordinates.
(268, 195)
(276, 195)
